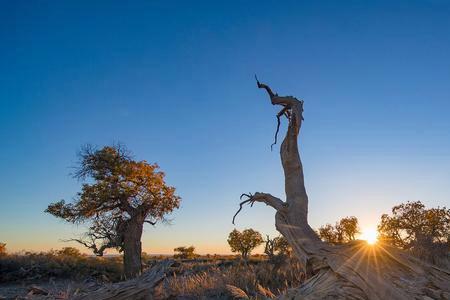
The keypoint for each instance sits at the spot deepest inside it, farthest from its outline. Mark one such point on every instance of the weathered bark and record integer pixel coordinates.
(352, 271)
(132, 249)
(137, 288)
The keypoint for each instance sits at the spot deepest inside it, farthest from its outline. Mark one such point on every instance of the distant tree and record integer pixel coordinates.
(347, 228)
(244, 242)
(327, 233)
(185, 252)
(276, 246)
(145, 257)
(413, 227)
(344, 231)
(2, 249)
(118, 196)
(69, 251)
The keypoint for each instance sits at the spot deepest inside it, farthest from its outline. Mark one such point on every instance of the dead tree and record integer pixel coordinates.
(136, 288)
(351, 271)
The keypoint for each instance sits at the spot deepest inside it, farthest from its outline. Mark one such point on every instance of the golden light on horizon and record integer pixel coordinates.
(370, 235)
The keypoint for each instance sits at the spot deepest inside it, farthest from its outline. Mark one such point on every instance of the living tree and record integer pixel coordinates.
(2, 249)
(411, 226)
(276, 246)
(244, 242)
(348, 271)
(70, 251)
(185, 252)
(118, 196)
(344, 231)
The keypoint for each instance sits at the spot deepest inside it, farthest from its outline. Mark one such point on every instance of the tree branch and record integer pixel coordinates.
(81, 242)
(268, 199)
(266, 87)
(288, 101)
(292, 109)
(284, 111)
(97, 251)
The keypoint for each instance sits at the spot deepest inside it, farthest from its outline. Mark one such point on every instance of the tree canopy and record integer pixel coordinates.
(185, 252)
(70, 251)
(117, 197)
(244, 242)
(343, 232)
(276, 246)
(411, 226)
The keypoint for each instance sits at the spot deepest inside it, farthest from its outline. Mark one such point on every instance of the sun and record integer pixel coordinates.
(369, 235)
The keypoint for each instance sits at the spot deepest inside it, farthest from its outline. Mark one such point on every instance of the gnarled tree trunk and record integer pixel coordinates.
(352, 271)
(132, 248)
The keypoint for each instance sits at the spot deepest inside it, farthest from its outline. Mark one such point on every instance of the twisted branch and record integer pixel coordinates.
(249, 200)
(285, 112)
(288, 102)
(268, 199)
(98, 251)
(266, 87)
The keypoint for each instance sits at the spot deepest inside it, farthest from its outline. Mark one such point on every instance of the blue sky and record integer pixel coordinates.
(174, 82)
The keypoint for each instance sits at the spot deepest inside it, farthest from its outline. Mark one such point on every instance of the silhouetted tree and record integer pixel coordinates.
(276, 246)
(118, 196)
(348, 228)
(70, 251)
(327, 233)
(184, 252)
(343, 232)
(413, 227)
(244, 242)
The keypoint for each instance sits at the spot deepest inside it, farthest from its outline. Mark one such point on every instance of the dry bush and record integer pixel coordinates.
(32, 266)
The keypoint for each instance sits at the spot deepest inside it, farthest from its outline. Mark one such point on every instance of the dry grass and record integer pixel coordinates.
(258, 280)
(203, 278)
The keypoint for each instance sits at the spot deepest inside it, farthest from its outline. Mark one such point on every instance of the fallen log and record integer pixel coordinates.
(137, 288)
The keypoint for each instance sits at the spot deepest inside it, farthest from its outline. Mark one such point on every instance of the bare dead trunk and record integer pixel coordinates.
(351, 271)
(132, 249)
(140, 288)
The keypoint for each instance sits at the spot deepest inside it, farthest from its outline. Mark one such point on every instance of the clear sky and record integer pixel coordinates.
(174, 82)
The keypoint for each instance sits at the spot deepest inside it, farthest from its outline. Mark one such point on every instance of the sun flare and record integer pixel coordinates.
(369, 235)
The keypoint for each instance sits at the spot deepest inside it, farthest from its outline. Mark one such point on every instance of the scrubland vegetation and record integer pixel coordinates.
(65, 273)
(123, 194)
(257, 277)
(67, 263)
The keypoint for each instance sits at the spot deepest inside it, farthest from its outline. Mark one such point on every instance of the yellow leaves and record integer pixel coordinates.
(344, 231)
(411, 219)
(114, 185)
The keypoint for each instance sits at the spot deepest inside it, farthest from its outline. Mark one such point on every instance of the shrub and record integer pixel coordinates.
(185, 252)
(60, 264)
